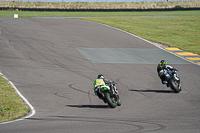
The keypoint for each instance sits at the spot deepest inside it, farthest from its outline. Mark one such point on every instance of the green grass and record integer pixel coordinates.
(11, 105)
(27, 14)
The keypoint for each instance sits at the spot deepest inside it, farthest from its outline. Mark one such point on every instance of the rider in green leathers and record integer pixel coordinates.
(97, 84)
(101, 81)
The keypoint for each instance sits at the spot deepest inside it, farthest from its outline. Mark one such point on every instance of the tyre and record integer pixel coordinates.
(174, 86)
(110, 101)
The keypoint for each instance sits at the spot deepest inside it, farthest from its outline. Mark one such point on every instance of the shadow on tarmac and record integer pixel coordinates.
(156, 91)
(89, 106)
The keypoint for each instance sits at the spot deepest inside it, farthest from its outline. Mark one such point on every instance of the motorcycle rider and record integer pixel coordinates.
(162, 70)
(98, 83)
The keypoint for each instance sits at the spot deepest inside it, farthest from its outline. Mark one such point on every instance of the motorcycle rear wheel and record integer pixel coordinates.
(110, 102)
(174, 86)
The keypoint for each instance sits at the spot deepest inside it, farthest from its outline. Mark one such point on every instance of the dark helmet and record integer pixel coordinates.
(163, 62)
(100, 76)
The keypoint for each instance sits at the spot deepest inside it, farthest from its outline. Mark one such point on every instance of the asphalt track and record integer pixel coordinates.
(51, 63)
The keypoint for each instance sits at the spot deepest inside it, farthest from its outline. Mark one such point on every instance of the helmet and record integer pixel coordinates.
(163, 62)
(100, 76)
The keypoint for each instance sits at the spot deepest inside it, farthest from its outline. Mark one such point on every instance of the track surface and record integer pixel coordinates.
(41, 57)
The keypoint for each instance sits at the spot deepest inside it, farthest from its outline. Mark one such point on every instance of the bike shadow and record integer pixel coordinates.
(88, 106)
(156, 91)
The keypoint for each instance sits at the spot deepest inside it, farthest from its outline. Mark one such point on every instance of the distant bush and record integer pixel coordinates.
(178, 6)
(101, 5)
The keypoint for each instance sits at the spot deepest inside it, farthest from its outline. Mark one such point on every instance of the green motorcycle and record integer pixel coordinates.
(110, 94)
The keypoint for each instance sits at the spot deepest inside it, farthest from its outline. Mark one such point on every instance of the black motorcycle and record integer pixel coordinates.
(173, 81)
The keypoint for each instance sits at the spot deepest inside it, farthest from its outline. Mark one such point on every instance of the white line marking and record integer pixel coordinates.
(27, 102)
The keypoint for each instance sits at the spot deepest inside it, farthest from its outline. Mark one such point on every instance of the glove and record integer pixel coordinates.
(175, 70)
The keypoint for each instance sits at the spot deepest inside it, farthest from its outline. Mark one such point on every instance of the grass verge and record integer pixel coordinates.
(11, 105)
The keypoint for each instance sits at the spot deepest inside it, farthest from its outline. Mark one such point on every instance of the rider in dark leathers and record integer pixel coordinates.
(162, 66)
